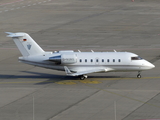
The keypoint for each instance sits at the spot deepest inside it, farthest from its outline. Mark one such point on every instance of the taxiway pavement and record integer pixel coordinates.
(28, 92)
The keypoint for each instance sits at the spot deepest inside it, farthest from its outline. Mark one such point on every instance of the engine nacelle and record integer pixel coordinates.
(65, 58)
(68, 58)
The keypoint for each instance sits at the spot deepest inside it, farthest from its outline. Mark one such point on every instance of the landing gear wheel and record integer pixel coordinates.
(139, 75)
(82, 77)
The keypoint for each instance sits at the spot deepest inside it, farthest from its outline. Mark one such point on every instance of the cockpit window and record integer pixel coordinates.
(136, 58)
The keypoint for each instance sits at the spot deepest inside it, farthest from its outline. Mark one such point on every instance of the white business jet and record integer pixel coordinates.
(77, 63)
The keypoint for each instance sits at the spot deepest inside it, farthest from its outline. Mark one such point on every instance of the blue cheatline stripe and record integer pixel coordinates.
(55, 57)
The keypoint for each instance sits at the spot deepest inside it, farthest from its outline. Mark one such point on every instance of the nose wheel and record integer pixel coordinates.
(82, 77)
(139, 75)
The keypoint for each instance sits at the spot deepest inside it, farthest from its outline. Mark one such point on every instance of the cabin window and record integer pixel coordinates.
(91, 60)
(136, 58)
(85, 60)
(96, 60)
(113, 60)
(119, 60)
(80, 60)
(107, 60)
(102, 60)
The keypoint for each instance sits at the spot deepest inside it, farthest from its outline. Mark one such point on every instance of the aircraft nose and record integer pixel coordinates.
(150, 65)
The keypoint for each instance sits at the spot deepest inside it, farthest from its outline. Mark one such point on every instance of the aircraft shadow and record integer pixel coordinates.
(52, 78)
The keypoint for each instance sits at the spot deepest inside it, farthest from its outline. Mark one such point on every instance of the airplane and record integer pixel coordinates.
(77, 63)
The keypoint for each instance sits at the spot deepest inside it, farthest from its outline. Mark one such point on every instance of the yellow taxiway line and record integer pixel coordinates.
(72, 82)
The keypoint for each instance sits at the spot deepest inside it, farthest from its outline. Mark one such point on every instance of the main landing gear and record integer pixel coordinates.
(139, 75)
(82, 77)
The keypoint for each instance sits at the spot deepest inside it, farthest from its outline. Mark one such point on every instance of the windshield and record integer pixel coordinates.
(136, 58)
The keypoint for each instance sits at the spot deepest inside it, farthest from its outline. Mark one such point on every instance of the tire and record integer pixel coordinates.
(138, 76)
(82, 77)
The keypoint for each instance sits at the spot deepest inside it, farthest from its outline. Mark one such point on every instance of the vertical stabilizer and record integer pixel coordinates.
(26, 45)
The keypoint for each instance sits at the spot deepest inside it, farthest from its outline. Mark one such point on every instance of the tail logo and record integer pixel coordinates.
(29, 46)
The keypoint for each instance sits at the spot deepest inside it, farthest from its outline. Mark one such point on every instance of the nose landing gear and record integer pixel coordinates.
(139, 75)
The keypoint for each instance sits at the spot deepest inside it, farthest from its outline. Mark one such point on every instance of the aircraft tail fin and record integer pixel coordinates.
(26, 45)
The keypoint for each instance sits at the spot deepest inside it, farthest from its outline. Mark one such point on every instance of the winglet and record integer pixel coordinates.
(68, 72)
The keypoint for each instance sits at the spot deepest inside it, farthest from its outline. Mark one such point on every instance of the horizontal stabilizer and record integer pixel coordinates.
(14, 34)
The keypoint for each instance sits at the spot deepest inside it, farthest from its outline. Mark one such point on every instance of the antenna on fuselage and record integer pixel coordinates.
(92, 51)
(115, 51)
(79, 51)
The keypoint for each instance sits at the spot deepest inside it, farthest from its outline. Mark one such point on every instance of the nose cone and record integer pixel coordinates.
(149, 65)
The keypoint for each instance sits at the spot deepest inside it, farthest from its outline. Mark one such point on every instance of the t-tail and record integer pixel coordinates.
(26, 45)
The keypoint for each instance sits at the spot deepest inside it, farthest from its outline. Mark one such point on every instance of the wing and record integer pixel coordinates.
(68, 72)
